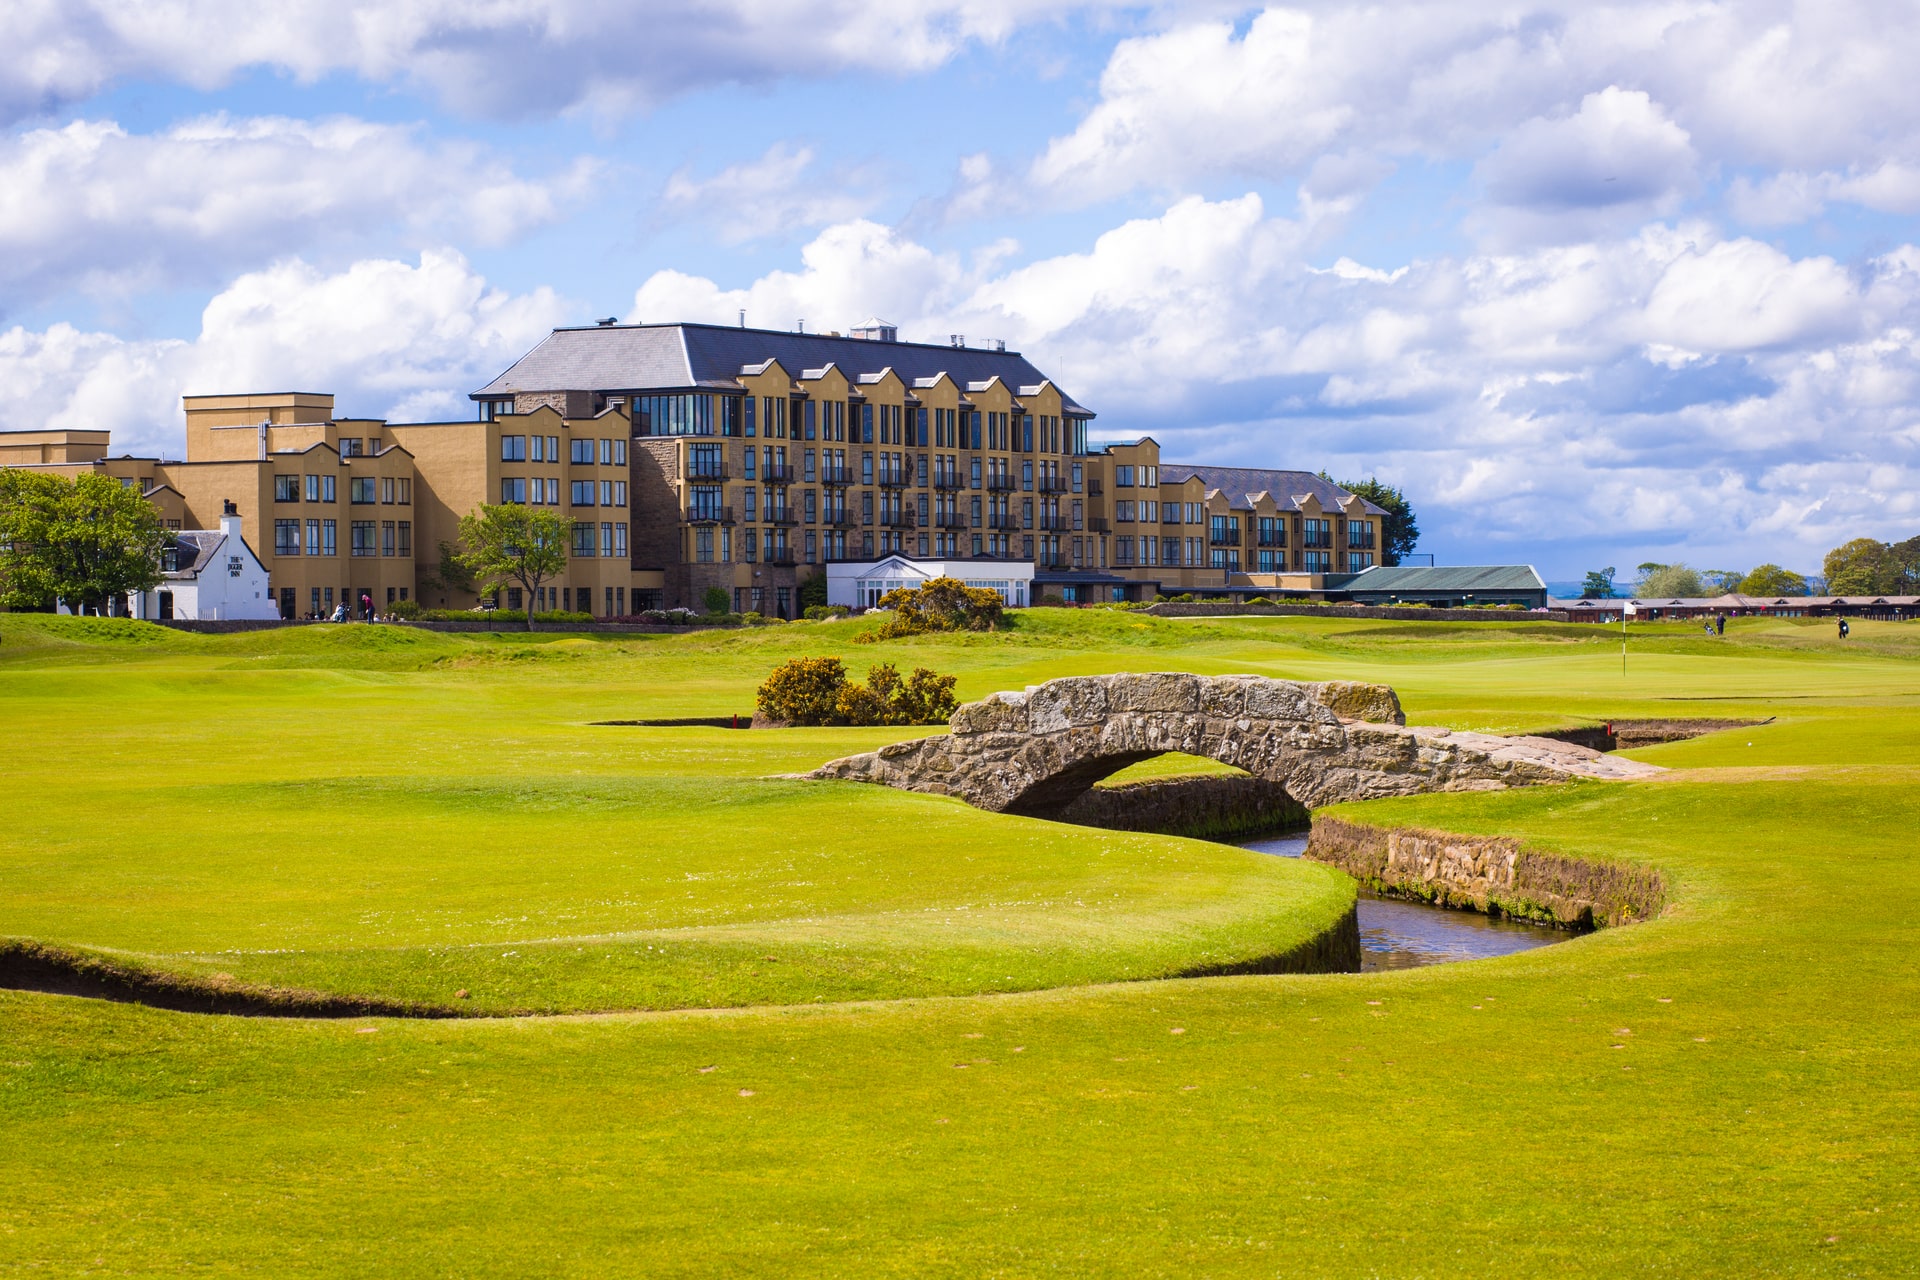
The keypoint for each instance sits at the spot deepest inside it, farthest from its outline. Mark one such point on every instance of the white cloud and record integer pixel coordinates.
(93, 206)
(1674, 389)
(1640, 88)
(506, 57)
(389, 338)
(778, 194)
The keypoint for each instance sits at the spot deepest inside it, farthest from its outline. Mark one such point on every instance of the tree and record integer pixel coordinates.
(942, 604)
(813, 591)
(1862, 567)
(1668, 581)
(1399, 531)
(716, 599)
(514, 544)
(84, 542)
(1722, 580)
(1772, 580)
(1599, 583)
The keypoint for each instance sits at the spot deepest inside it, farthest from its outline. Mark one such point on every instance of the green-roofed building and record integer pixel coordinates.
(1446, 587)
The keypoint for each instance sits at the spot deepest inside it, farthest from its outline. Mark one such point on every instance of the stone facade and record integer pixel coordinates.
(1037, 752)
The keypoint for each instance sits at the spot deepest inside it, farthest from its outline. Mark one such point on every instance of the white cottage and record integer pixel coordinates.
(860, 584)
(209, 574)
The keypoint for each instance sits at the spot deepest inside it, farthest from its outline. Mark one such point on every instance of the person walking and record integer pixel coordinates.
(1720, 625)
(366, 607)
(1845, 630)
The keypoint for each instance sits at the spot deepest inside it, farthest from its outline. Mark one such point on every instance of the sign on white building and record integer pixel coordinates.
(861, 584)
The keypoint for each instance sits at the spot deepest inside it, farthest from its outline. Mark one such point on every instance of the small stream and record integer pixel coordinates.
(1406, 935)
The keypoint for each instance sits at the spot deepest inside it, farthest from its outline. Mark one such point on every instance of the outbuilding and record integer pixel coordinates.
(859, 584)
(209, 574)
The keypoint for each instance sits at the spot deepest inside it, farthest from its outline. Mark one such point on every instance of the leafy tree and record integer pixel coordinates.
(1399, 531)
(1772, 580)
(1669, 580)
(816, 691)
(514, 544)
(1722, 580)
(716, 599)
(1907, 556)
(813, 591)
(1862, 567)
(1599, 583)
(84, 541)
(942, 604)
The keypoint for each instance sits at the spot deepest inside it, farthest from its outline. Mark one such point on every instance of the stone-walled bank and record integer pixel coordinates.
(1206, 807)
(1494, 874)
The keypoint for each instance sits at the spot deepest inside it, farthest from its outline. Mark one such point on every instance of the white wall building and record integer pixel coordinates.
(215, 575)
(860, 584)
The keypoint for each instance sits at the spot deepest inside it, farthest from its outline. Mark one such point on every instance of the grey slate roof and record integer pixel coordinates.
(669, 357)
(205, 544)
(1449, 578)
(1242, 484)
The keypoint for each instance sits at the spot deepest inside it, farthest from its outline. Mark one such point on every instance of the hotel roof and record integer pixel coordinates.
(1243, 484)
(677, 357)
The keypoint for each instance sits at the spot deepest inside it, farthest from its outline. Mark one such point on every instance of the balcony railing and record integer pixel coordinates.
(1323, 541)
(836, 475)
(949, 520)
(1097, 524)
(840, 520)
(1053, 524)
(1223, 538)
(1360, 544)
(710, 515)
(1096, 487)
(894, 477)
(898, 520)
(708, 472)
(948, 480)
(782, 558)
(1051, 484)
(1056, 565)
(1275, 539)
(782, 516)
(1003, 522)
(777, 473)
(1000, 482)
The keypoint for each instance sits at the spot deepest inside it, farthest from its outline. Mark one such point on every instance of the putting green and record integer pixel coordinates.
(1728, 1090)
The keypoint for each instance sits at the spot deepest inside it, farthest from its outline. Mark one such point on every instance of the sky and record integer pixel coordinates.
(1593, 283)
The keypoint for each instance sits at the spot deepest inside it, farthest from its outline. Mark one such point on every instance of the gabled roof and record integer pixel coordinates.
(1243, 484)
(667, 357)
(205, 544)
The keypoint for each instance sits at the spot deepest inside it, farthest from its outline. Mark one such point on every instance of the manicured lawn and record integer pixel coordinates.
(1728, 1090)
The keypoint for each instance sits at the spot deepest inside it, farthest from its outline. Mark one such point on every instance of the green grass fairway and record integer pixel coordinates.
(916, 1054)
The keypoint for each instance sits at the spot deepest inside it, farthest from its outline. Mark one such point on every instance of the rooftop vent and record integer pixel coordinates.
(956, 339)
(609, 322)
(876, 330)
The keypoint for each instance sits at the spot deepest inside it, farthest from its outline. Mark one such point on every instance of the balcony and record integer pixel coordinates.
(782, 516)
(1051, 484)
(1096, 487)
(948, 480)
(1003, 522)
(1000, 482)
(1054, 524)
(949, 520)
(1276, 539)
(1322, 541)
(840, 520)
(1359, 544)
(1224, 538)
(1097, 524)
(710, 515)
(782, 558)
(1055, 566)
(708, 473)
(898, 520)
(836, 475)
(777, 473)
(894, 477)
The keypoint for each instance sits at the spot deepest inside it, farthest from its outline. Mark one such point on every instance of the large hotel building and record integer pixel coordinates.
(693, 456)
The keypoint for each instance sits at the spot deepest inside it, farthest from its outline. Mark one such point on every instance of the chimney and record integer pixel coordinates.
(230, 522)
(263, 442)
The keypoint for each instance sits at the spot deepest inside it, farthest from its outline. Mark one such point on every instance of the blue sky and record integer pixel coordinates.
(1594, 283)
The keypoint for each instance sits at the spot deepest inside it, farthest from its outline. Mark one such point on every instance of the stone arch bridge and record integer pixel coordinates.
(1036, 752)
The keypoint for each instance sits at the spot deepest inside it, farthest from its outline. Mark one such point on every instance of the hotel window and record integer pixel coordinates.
(364, 533)
(866, 468)
(537, 449)
(1359, 533)
(749, 496)
(386, 491)
(583, 539)
(553, 491)
(406, 541)
(352, 448)
(1149, 513)
(1170, 552)
(513, 448)
(1123, 510)
(702, 546)
(313, 537)
(1359, 560)
(1078, 471)
(606, 493)
(360, 491)
(1150, 477)
(1319, 561)
(286, 488)
(387, 540)
(619, 493)
(1272, 561)
(813, 546)
(329, 539)
(513, 490)
(1196, 513)
(606, 453)
(606, 540)
(620, 539)
(286, 537)
(1123, 477)
(582, 493)
(681, 415)
(580, 451)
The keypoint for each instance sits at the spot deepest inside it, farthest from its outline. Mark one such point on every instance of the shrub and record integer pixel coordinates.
(813, 592)
(821, 612)
(943, 604)
(816, 691)
(717, 599)
(405, 610)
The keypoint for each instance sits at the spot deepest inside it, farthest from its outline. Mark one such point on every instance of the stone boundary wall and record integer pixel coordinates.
(1202, 807)
(1494, 874)
(226, 626)
(1388, 612)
